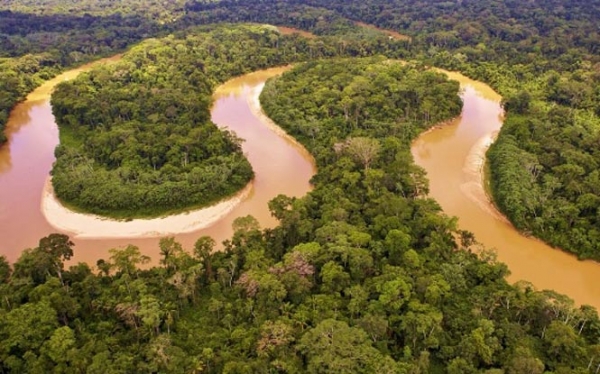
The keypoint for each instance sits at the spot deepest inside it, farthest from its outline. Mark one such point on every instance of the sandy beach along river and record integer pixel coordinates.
(28, 210)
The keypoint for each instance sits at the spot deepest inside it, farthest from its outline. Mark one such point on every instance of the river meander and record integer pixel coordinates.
(452, 155)
(281, 166)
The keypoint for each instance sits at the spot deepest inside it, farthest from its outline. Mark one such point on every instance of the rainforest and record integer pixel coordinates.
(365, 273)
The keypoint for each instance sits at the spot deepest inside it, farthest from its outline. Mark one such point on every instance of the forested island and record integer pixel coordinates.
(365, 273)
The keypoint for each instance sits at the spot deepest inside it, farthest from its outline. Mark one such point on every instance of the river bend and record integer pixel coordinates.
(280, 164)
(452, 155)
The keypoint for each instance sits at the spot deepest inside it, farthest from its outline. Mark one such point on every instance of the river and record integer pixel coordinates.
(451, 155)
(282, 167)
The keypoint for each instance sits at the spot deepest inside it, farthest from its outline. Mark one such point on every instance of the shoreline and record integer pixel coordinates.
(256, 109)
(85, 225)
(474, 166)
(92, 226)
(437, 126)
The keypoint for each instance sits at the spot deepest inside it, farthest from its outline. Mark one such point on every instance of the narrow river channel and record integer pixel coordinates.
(451, 155)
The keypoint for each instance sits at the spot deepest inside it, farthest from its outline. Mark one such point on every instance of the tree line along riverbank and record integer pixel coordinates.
(364, 264)
(384, 310)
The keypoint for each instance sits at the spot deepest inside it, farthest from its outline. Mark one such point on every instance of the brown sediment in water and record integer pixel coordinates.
(280, 168)
(454, 159)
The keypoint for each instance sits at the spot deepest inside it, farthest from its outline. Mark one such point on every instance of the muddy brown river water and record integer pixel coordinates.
(281, 167)
(452, 155)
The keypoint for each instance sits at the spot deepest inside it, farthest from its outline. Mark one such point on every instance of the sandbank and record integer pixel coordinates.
(81, 225)
(474, 167)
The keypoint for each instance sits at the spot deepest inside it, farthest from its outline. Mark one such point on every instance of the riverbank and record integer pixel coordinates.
(474, 167)
(85, 225)
(82, 225)
(454, 157)
(257, 111)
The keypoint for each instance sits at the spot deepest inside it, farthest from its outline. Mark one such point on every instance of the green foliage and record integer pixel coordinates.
(34, 48)
(544, 163)
(19, 76)
(338, 105)
(150, 147)
(545, 63)
(363, 274)
(334, 347)
(136, 135)
(152, 9)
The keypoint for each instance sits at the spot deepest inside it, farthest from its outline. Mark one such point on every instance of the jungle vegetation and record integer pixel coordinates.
(34, 48)
(364, 274)
(544, 60)
(136, 136)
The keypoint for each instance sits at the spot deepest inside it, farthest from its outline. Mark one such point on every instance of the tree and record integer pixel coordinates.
(275, 339)
(523, 361)
(61, 347)
(334, 347)
(5, 270)
(421, 325)
(47, 259)
(520, 103)
(334, 278)
(203, 249)
(171, 251)
(563, 344)
(481, 344)
(150, 313)
(363, 150)
(21, 339)
(127, 260)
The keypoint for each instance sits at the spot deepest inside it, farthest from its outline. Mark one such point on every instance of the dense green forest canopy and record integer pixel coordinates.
(363, 275)
(357, 98)
(36, 47)
(20, 76)
(543, 57)
(59, 40)
(544, 164)
(135, 135)
(496, 28)
(163, 11)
